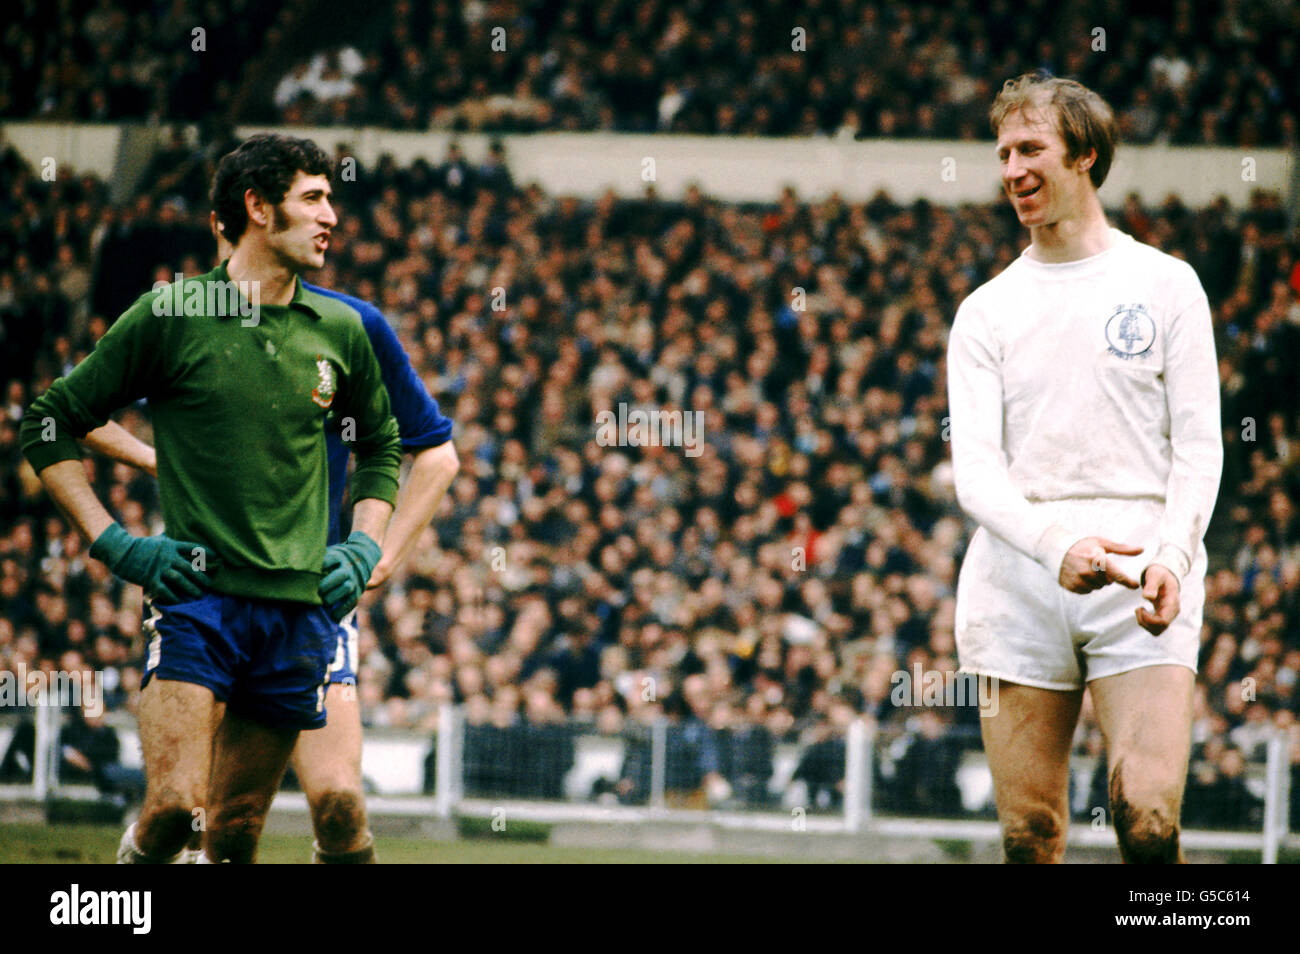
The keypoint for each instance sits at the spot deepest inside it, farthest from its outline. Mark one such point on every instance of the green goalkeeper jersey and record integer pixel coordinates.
(239, 415)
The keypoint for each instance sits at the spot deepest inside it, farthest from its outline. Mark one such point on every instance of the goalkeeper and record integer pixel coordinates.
(242, 592)
(328, 760)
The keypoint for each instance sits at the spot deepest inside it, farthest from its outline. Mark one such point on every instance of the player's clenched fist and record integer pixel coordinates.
(1087, 566)
(164, 567)
(347, 567)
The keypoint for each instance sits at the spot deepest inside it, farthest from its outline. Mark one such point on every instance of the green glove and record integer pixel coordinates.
(163, 566)
(347, 568)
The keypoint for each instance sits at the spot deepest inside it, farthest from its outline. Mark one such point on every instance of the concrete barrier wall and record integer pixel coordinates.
(738, 169)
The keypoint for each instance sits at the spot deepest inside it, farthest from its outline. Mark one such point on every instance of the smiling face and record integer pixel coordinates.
(300, 225)
(1043, 183)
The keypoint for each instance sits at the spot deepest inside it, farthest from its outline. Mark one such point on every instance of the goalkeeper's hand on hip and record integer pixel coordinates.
(346, 569)
(168, 570)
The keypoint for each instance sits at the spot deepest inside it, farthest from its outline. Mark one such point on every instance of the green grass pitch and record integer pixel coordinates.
(97, 844)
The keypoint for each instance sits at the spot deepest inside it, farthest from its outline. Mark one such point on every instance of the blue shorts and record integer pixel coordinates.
(343, 670)
(268, 660)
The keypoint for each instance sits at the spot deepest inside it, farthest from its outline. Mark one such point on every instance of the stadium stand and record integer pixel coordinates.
(760, 594)
(1203, 73)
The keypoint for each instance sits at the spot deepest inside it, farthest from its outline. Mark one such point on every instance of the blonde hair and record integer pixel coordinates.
(1083, 118)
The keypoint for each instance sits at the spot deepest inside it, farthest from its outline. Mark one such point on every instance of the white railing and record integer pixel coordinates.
(858, 814)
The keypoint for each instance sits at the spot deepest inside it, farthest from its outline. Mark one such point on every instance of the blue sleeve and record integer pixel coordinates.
(419, 420)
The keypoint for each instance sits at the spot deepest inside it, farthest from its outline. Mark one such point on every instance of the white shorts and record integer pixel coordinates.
(1016, 622)
(343, 670)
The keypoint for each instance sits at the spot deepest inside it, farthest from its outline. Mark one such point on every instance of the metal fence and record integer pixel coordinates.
(928, 780)
(924, 781)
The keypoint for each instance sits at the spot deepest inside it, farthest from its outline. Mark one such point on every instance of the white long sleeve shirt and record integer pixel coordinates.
(1088, 379)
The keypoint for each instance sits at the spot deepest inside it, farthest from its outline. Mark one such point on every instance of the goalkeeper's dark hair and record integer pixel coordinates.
(266, 163)
(1084, 120)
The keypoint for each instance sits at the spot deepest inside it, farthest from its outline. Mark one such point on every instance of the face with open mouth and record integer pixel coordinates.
(303, 221)
(1036, 175)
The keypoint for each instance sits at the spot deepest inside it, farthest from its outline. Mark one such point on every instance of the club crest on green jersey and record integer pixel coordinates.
(323, 393)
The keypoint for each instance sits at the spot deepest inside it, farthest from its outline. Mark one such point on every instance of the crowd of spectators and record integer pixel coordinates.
(1205, 72)
(116, 60)
(768, 589)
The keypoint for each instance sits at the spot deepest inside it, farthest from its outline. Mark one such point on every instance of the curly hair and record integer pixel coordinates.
(266, 163)
(1083, 118)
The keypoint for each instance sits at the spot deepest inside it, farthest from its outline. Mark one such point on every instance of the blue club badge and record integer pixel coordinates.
(1130, 331)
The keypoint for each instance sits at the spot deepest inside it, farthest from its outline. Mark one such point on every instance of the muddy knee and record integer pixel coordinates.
(1149, 837)
(234, 830)
(1036, 836)
(1147, 827)
(340, 819)
(166, 823)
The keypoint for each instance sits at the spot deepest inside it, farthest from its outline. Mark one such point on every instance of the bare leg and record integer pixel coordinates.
(177, 724)
(1028, 747)
(328, 764)
(1146, 718)
(248, 762)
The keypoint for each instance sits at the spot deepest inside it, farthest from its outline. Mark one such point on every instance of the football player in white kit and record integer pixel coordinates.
(1084, 402)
